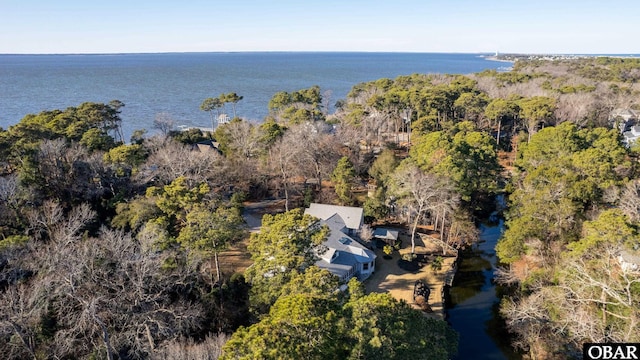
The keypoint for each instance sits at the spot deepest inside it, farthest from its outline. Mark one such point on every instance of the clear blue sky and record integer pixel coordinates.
(521, 26)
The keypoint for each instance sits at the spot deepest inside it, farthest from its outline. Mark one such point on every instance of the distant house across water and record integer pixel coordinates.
(223, 119)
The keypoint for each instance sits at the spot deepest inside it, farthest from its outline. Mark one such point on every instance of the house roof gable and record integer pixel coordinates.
(344, 244)
(351, 216)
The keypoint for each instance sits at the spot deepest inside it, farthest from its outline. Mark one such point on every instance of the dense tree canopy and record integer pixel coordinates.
(500, 110)
(465, 155)
(297, 107)
(100, 120)
(560, 230)
(283, 247)
(536, 111)
(562, 172)
(324, 326)
(343, 178)
(105, 246)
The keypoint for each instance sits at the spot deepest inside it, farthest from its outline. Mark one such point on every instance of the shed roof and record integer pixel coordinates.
(385, 233)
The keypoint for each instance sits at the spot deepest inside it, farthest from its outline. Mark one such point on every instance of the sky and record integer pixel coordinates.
(467, 26)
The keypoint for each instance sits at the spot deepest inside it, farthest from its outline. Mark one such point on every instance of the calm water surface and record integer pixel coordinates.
(176, 84)
(473, 301)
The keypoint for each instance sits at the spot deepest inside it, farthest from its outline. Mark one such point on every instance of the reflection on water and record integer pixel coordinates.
(472, 303)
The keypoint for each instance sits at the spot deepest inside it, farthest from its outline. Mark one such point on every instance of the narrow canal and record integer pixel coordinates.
(473, 301)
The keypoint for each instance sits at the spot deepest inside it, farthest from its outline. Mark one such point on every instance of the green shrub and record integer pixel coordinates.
(387, 250)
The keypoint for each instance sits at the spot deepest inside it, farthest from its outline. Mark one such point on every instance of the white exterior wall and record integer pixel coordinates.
(369, 271)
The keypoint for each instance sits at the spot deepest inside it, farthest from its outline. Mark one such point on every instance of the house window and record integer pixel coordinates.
(365, 266)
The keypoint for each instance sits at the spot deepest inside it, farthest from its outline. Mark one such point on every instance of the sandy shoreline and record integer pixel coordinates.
(495, 58)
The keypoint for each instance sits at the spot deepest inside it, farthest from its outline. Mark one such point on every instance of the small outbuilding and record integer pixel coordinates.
(389, 236)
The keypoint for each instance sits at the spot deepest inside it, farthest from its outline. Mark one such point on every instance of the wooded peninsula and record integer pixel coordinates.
(112, 248)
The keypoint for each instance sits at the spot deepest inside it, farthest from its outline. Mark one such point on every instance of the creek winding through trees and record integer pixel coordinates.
(473, 300)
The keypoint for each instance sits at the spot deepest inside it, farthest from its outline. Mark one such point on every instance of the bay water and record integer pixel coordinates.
(177, 83)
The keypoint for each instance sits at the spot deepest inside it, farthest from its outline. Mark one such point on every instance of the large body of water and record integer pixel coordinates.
(176, 83)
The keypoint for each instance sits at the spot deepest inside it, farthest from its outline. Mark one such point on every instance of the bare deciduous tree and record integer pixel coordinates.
(366, 233)
(421, 192)
(170, 160)
(243, 139)
(105, 294)
(164, 122)
(527, 319)
(68, 173)
(9, 190)
(593, 298)
(185, 349)
(462, 230)
(243, 147)
(629, 201)
(10, 201)
(350, 143)
(283, 164)
(317, 158)
(609, 288)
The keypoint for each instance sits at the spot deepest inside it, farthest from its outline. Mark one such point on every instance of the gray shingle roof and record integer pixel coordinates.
(341, 266)
(343, 253)
(352, 216)
(384, 233)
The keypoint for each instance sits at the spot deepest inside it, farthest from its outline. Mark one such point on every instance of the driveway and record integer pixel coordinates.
(252, 212)
(391, 278)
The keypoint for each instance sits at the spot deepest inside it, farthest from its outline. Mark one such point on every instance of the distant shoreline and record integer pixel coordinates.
(554, 57)
(498, 59)
(483, 54)
(487, 55)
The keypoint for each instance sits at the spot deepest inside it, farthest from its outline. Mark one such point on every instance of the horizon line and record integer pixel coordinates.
(320, 51)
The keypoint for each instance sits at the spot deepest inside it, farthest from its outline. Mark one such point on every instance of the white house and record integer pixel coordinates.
(631, 136)
(629, 262)
(341, 254)
(626, 121)
(223, 119)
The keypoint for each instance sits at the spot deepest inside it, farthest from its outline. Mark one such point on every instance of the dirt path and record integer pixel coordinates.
(237, 259)
(253, 212)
